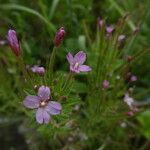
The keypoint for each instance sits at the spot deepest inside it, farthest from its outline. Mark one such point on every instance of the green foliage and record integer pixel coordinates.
(91, 117)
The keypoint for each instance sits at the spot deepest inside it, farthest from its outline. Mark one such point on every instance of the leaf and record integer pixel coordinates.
(144, 120)
(31, 11)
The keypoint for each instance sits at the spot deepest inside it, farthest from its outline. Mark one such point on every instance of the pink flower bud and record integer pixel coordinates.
(59, 36)
(38, 70)
(13, 42)
(100, 22)
(133, 78)
(105, 84)
(129, 113)
(110, 30)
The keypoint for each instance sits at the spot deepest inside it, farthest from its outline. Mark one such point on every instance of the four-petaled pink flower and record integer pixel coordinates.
(13, 42)
(38, 70)
(76, 62)
(45, 107)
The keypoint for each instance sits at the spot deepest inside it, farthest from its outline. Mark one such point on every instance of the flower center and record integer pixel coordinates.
(43, 103)
(76, 65)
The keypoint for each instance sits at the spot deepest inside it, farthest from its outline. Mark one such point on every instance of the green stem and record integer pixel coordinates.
(122, 12)
(100, 38)
(51, 63)
(23, 69)
(68, 80)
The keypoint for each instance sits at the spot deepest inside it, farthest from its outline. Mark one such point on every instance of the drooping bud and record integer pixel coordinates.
(13, 42)
(59, 37)
(105, 84)
(38, 70)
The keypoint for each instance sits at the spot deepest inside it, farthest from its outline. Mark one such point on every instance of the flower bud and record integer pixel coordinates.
(38, 70)
(105, 84)
(121, 38)
(59, 37)
(129, 113)
(129, 58)
(133, 78)
(3, 42)
(13, 42)
(109, 30)
(100, 22)
(136, 31)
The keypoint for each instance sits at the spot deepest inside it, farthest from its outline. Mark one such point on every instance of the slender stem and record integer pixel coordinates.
(100, 38)
(23, 69)
(68, 80)
(51, 63)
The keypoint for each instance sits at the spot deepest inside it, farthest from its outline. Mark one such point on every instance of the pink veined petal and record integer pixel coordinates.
(53, 108)
(44, 92)
(31, 102)
(84, 68)
(42, 116)
(73, 69)
(80, 57)
(70, 58)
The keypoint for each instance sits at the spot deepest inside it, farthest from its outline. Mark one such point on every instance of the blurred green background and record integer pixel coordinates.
(36, 22)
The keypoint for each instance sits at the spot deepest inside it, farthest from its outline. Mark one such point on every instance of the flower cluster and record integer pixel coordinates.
(42, 102)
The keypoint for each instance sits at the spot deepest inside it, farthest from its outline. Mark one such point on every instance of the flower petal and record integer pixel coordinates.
(38, 70)
(80, 57)
(74, 69)
(70, 58)
(84, 68)
(31, 102)
(53, 108)
(42, 116)
(44, 92)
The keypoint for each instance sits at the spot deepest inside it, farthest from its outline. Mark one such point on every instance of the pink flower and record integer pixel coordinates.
(133, 78)
(105, 84)
(109, 30)
(38, 70)
(59, 37)
(100, 22)
(13, 42)
(44, 107)
(128, 100)
(76, 62)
